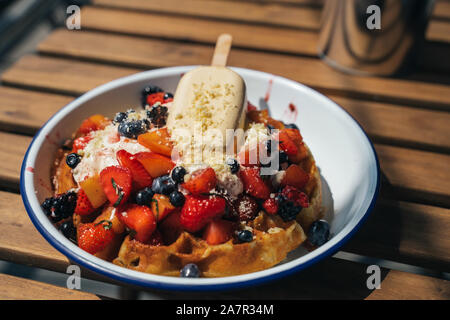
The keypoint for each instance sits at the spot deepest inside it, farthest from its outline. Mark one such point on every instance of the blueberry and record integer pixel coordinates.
(245, 236)
(47, 205)
(178, 174)
(144, 196)
(68, 230)
(133, 128)
(233, 164)
(288, 210)
(158, 116)
(319, 232)
(73, 159)
(190, 271)
(177, 199)
(164, 185)
(120, 117)
(168, 95)
(291, 126)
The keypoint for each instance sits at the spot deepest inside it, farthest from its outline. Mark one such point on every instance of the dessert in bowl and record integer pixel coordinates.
(155, 258)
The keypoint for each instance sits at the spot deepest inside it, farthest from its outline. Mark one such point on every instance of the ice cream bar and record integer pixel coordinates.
(210, 99)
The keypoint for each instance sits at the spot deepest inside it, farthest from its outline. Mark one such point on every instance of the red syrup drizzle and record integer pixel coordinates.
(291, 113)
(30, 169)
(269, 91)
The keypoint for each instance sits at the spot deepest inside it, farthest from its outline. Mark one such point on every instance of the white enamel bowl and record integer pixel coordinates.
(344, 154)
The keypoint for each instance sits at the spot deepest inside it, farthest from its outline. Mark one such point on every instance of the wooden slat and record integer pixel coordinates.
(194, 29)
(312, 72)
(12, 150)
(15, 288)
(26, 111)
(442, 9)
(438, 31)
(252, 12)
(416, 233)
(21, 243)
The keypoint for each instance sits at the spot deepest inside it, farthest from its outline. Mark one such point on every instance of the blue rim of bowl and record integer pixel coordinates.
(123, 278)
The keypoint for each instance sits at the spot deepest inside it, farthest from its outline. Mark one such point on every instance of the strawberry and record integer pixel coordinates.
(201, 181)
(199, 210)
(80, 143)
(84, 206)
(246, 207)
(271, 206)
(254, 185)
(157, 141)
(141, 178)
(218, 231)
(155, 164)
(295, 176)
(286, 143)
(161, 206)
(116, 182)
(94, 237)
(297, 138)
(171, 227)
(140, 219)
(155, 97)
(262, 116)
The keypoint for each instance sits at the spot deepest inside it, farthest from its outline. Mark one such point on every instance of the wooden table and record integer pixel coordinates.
(408, 119)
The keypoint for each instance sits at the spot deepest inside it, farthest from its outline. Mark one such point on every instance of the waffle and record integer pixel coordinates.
(273, 238)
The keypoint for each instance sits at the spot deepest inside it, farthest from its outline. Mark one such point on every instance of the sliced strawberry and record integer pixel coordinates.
(271, 206)
(199, 210)
(84, 206)
(155, 164)
(117, 183)
(218, 231)
(249, 156)
(286, 143)
(157, 141)
(155, 97)
(94, 237)
(80, 143)
(141, 178)
(140, 219)
(295, 176)
(171, 227)
(254, 185)
(201, 181)
(161, 206)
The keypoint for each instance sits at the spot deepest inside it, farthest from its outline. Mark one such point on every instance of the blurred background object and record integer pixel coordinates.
(378, 37)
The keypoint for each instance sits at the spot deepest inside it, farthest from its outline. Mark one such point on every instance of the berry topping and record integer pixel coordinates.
(117, 183)
(271, 206)
(190, 271)
(133, 128)
(218, 231)
(319, 232)
(295, 176)
(61, 206)
(201, 181)
(141, 178)
(291, 126)
(148, 91)
(254, 185)
(178, 174)
(246, 207)
(288, 210)
(144, 197)
(158, 116)
(233, 164)
(177, 199)
(140, 220)
(73, 159)
(199, 210)
(84, 206)
(80, 143)
(245, 236)
(94, 237)
(164, 185)
(120, 117)
(68, 230)
(168, 95)
(155, 98)
(295, 195)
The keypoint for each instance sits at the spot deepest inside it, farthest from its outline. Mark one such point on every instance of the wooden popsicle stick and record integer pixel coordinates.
(221, 51)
